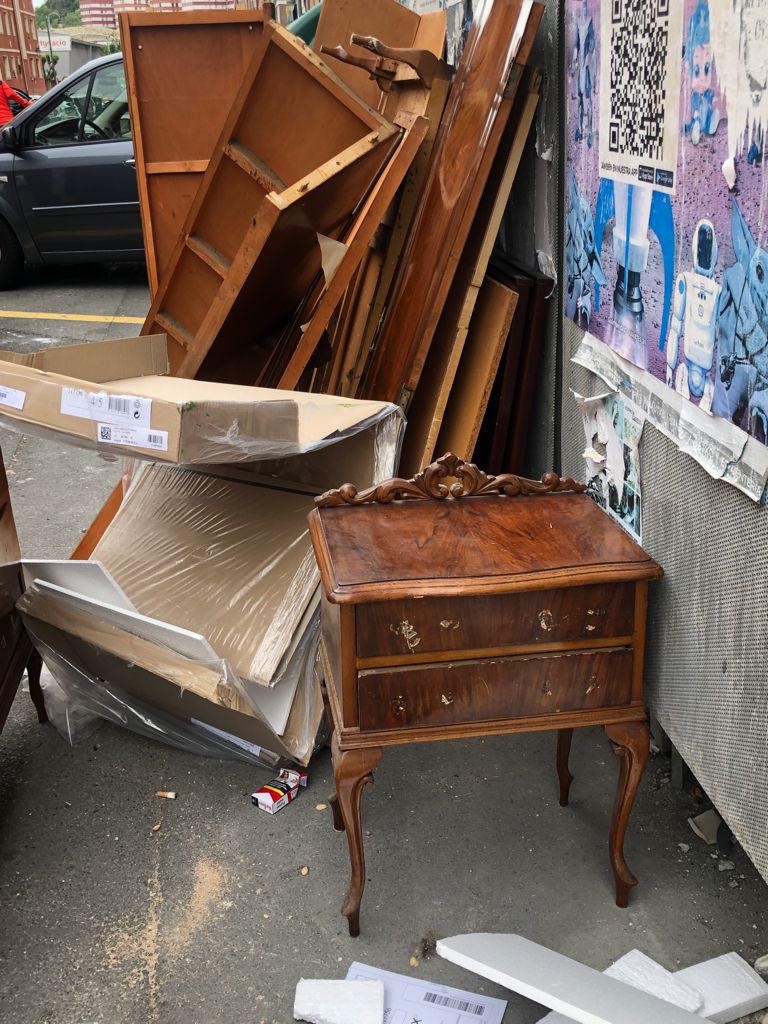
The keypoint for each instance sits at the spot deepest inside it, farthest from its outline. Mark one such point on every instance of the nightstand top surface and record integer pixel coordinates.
(471, 545)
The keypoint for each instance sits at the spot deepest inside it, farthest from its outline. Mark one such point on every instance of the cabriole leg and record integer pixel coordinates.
(630, 742)
(352, 771)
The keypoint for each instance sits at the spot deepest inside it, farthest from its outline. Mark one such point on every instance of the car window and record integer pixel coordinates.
(60, 123)
(107, 116)
(80, 117)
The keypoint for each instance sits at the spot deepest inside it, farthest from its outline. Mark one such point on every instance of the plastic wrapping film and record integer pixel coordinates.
(229, 559)
(185, 422)
(199, 705)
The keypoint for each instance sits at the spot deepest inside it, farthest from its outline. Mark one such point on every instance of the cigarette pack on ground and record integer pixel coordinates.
(280, 791)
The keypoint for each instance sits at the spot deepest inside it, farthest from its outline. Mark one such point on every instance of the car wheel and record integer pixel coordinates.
(11, 257)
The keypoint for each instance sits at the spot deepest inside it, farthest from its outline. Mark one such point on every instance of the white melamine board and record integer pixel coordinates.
(573, 989)
(88, 578)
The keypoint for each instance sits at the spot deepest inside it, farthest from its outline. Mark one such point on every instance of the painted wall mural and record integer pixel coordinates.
(666, 247)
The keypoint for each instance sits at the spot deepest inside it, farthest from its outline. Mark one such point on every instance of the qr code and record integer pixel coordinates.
(105, 433)
(639, 45)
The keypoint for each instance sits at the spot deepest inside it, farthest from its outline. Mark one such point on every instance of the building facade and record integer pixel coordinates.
(20, 63)
(105, 12)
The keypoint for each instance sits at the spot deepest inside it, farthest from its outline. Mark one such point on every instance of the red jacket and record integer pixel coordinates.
(7, 93)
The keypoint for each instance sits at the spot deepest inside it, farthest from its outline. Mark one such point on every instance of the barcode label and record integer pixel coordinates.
(476, 1009)
(134, 437)
(12, 397)
(119, 410)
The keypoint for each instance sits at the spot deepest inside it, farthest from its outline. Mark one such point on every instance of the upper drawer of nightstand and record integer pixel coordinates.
(419, 626)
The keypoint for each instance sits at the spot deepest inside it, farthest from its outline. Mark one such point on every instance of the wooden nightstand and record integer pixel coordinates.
(490, 605)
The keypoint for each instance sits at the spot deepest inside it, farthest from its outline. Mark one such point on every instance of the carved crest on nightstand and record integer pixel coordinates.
(428, 484)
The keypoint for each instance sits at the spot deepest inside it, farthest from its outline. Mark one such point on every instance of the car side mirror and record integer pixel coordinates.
(9, 138)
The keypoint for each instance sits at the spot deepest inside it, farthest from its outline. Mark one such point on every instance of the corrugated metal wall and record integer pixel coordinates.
(706, 678)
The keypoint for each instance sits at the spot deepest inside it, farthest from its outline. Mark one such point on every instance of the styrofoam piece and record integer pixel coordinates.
(573, 989)
(730, 987)
(339, 1002)
(640, 971)
(85, 577)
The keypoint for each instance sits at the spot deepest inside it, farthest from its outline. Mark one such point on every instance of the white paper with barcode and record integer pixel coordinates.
(413, 1001)
(118, 410)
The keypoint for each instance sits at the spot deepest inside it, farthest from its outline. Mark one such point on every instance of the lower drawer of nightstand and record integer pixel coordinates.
(455, 692)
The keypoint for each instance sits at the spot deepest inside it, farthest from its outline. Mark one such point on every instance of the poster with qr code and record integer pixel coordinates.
(640, 62)
(666, 233)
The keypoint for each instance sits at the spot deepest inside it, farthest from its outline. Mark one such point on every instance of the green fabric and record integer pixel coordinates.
(306, 26)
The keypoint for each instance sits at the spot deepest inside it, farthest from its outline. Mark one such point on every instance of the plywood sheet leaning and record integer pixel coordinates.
(440, 228)
(357, 242)
(183, 71)
(297, 156)
(488, 332)
(442, 360)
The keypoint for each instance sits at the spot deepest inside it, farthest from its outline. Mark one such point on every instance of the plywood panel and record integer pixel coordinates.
(488, 332)
(183, 72)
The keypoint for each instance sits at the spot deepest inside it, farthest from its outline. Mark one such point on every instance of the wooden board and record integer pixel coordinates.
(451, 196)
(183, 71)
(358, 240)
(525, 393)
(442, 360)
(492, 440)
(488, 332)
(297, 155)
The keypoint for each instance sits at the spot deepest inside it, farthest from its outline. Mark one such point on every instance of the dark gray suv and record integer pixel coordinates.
(68, 189)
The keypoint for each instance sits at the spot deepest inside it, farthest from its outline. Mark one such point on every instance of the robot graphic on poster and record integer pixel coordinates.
(583, 64)
(582, 261)
(741, 384)
(694, 317)
(705, 114)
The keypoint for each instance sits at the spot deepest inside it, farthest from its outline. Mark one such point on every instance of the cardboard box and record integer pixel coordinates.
(112, 396)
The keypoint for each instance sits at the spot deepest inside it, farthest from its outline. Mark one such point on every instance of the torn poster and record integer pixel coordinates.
(726, 452)
(613, 427)
(408, 999)
(666, 263)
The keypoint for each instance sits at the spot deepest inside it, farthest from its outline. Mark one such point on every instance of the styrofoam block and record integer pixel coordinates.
(638, 970)
(573, 989)
(729, 986)
(339, 1002)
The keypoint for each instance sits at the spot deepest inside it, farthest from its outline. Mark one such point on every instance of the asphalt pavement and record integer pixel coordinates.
(107, 918)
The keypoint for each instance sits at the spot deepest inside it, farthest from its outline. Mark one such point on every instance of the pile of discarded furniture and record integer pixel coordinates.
(326, 303)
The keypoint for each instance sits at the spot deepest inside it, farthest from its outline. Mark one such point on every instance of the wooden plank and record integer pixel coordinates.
(176, 167)
(183, 71)
(104, 517)
(342, 381)
(442, 360)
(209, 255)
(292, 121)
(450, 199)
(488, 332)
(357, 242)
(522, 407)
(495, 429)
